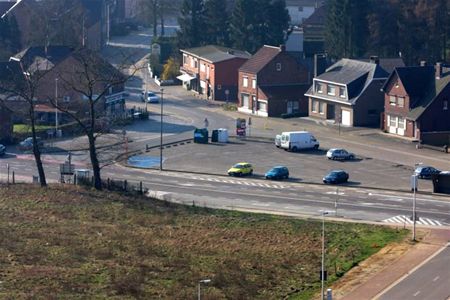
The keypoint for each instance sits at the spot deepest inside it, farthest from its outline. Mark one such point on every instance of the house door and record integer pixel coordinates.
(330, 111)
(346, 117)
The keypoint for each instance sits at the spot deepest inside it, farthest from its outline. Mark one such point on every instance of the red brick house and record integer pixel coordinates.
(417, 100)
(272, 83)
(212, 71)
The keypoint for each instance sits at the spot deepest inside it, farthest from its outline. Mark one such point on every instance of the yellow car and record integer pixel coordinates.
(241, 169)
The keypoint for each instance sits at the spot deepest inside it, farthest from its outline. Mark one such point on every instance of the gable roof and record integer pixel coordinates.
(52, 55)
(260, 59)
(213, 53)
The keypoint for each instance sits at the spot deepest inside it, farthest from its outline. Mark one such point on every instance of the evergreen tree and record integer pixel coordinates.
(192, 24)
(278, 22)
(9, 37)
(242, 24)
(217, 21)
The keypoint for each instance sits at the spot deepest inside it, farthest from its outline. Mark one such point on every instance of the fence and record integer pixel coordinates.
(123, 186)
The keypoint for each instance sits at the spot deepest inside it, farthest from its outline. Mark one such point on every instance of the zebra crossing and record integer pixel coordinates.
(401, 219)
(242, 182)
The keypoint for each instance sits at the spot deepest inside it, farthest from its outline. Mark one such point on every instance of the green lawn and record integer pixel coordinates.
(75, 243)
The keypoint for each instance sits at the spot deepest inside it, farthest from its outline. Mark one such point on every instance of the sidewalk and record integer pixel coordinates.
(389, 274)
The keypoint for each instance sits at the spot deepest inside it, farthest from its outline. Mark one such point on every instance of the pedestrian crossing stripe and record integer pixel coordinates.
(407, 220)
(241, 182)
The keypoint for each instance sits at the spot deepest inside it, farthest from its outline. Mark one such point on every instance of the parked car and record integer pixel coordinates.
(278, 140)
(27, 144)
(278, 172)
(339, 153)
(298, 140)
(2, 150)
(241, 169)
(426, 172)
(151, 97)
(336, 176)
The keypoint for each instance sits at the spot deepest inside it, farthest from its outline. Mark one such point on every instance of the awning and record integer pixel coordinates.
(185, 77)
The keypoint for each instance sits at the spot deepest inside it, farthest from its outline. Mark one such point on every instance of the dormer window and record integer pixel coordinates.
(342, 92)
(319, 88)
(278, 66)
(331, 90)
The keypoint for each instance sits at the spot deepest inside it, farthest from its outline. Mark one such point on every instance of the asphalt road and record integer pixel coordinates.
(430, 282)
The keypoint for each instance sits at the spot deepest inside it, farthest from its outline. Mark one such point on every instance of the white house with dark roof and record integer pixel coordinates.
(349, 92)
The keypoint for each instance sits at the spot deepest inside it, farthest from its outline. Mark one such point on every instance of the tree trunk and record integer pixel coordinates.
(36, 151)
(94, 161)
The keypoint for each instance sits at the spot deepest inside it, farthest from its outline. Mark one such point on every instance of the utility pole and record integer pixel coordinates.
(161, 132)
(56, 106)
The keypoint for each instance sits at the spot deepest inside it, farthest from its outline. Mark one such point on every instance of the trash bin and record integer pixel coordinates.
(215, 136)
(222, 135)
(201, 135)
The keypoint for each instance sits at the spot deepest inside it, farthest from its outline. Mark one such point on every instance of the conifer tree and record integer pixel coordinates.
(217, 21)
(192, 24)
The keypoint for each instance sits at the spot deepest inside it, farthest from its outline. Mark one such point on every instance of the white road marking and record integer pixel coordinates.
(405, 219)
(436, 278)
(416, 293)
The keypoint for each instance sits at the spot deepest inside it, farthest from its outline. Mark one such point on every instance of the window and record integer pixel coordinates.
(392, 100)
(393, 121)
(319, 87)
(254, 83)
(278, 66)
(185, 61)
(245, 81)
(401, 101)
(331, 90)
(219, 86)
(195, 62)
(322, 108)
(262, 106)
(401, 123)
(342, 92)
(202, 67)
(66, 98)
(207, 72)
(445, 107)
(192, 62)
(314, 106)
(245, 100)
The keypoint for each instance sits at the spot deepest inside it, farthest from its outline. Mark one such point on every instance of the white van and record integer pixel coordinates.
(298, 140)
(278, 140)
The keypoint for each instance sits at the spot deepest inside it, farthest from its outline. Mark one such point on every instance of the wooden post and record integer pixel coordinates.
(13, 178)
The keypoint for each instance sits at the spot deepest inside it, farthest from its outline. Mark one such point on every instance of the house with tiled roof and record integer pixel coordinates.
(211, 71)
(59, 74)
(272, 84)
(417, 101)
(349, 92)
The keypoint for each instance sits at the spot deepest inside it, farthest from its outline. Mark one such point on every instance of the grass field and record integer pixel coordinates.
(23, 129)
(75, 243)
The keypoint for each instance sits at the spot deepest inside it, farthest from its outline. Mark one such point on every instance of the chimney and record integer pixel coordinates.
(423, 63)
(319, 63)
(283, 47)
(374, 59)
(438, 69)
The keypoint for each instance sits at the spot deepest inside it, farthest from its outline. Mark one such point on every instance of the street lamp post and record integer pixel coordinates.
(56, 107)
(414, 187)
(161, 133)
(322, 271)
(199, 288)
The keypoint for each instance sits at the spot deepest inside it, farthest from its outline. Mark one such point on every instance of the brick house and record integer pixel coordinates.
(62, 73)
(417, 100)
(272, 83)
(349, 92)
(211, 71)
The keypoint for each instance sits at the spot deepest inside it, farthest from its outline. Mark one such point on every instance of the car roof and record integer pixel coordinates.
(278, 167)
(337, 171)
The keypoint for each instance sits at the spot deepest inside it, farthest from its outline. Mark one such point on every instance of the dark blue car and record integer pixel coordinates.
(336, 176)
(426, 172)
(278, 172)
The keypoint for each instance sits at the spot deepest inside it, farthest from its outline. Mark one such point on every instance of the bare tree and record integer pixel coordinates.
(94, 80)
(19, 84)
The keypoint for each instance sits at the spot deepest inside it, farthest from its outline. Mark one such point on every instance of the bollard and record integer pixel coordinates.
(13, 178)
(329, 294)
(140, 187)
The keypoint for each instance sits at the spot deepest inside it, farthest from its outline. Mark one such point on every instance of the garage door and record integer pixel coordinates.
(346, 117)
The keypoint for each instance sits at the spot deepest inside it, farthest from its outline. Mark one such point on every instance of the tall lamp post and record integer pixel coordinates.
(56, 106)
(199, 286)
(161, 133)
(322, 271)
(414, 187)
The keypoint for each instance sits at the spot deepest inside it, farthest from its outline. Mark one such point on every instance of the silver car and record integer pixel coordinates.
(339, 153)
